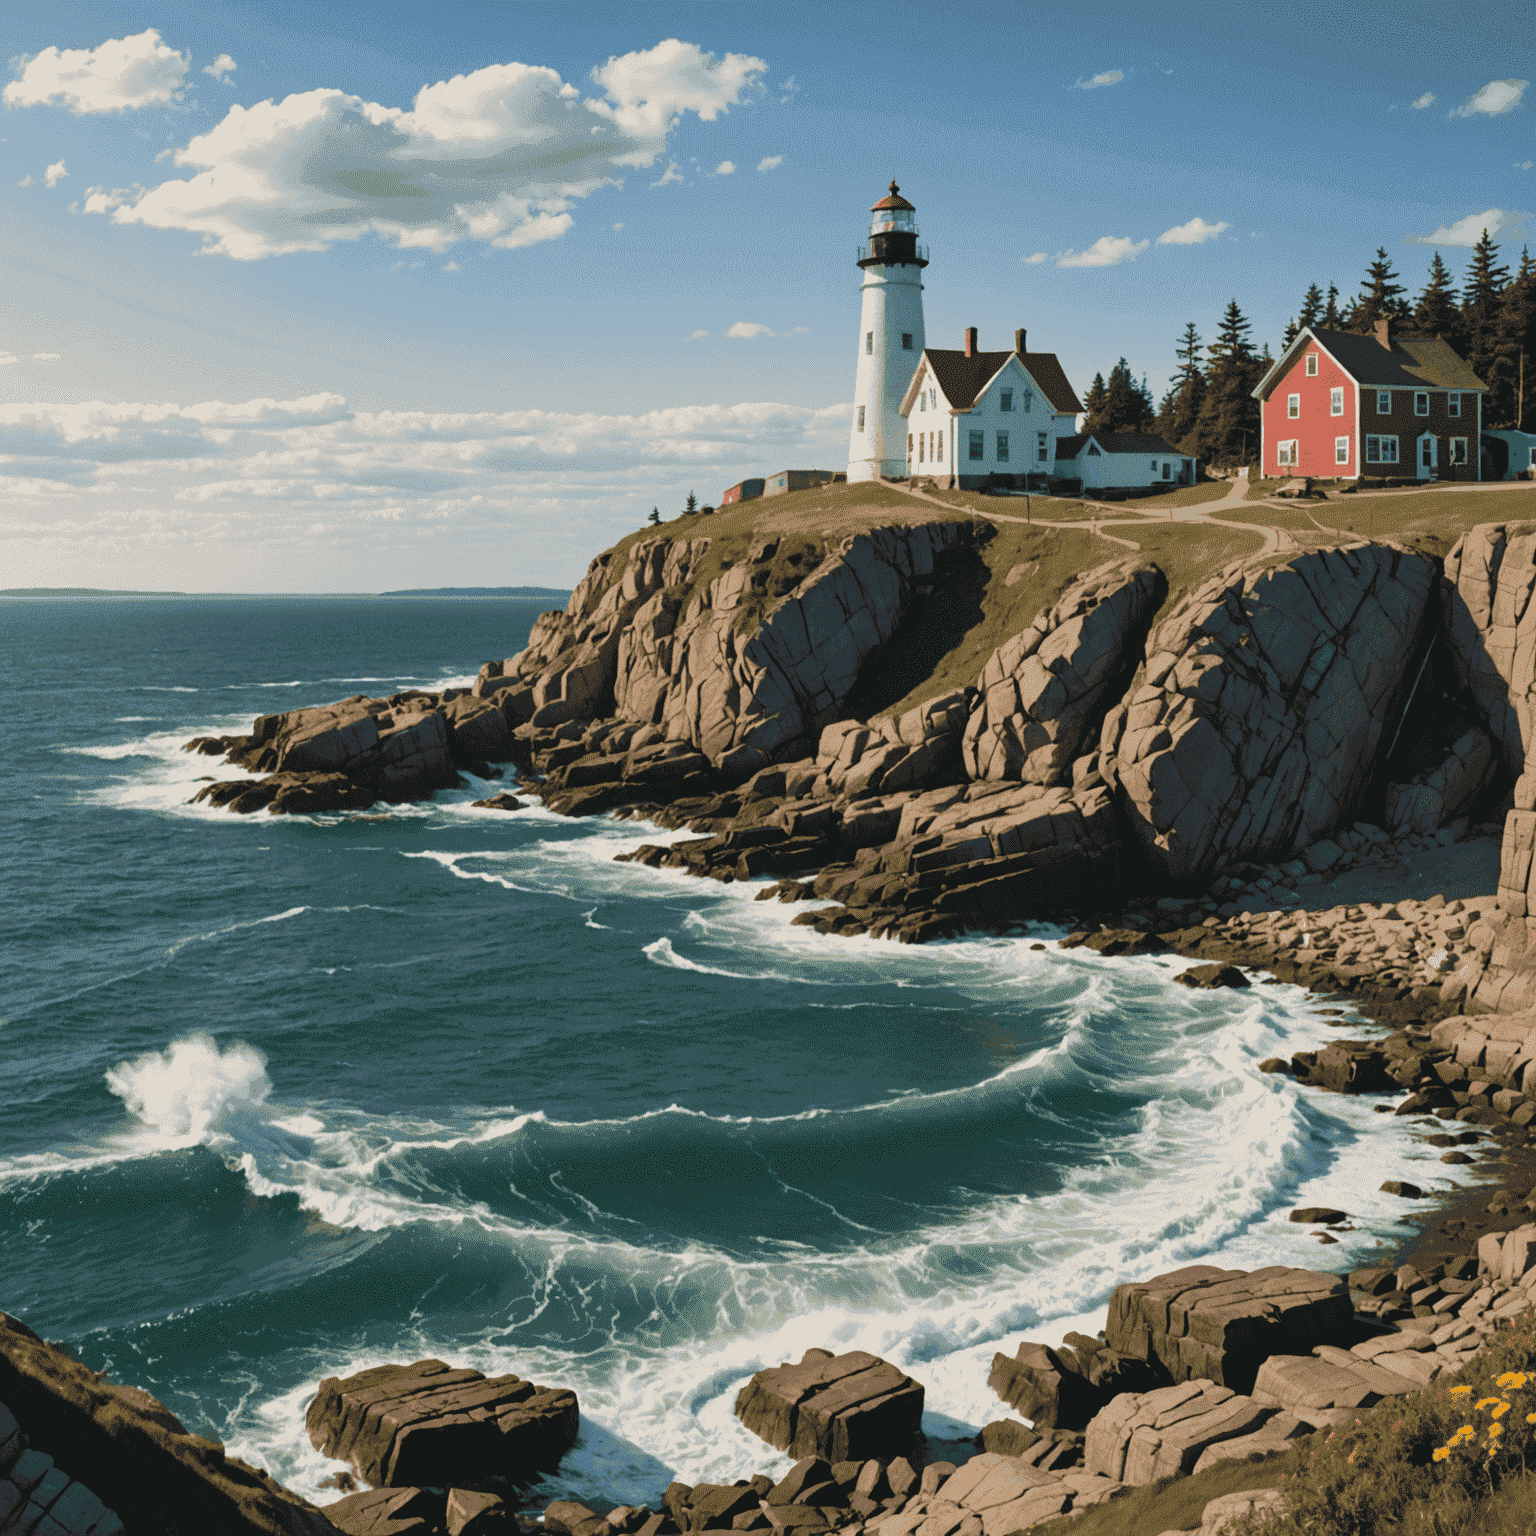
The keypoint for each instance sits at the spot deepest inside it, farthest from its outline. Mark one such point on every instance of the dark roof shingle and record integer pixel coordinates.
(1115, 442)
(1413, 361)
(963, 378)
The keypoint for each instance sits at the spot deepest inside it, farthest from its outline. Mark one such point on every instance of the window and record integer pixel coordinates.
(1293, 405)
(1167, 471)
(1029, 401)
(906, 341)
(1421, 403)
(1381, 450)
(1002, 447)
(920, 446)
(1005, 403)
(933, 399)
(978, 445)
(909, 445)
(1458, 450)
(1453, 403)
(922, 401)
(1042, 448)
(1311, 365)
(1093, 450)
(1383, 402)
(869, 342)
(1154, 466)
(1335, 402)
(938, 446)
(861, 418)
(1341, 450)
(1285, 454)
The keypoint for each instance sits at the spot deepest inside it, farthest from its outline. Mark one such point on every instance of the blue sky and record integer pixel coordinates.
(340, 297)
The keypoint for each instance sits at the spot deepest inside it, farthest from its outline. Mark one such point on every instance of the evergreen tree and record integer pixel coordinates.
(1492, 349)
(1331, 309)
(1289, 334)
(1311, 309)
(1093, 404)
(1381, 297)
(1181, 405)
(1435, 313)
(1518, 315)
(1227, 431)
(655, 517)
(1126, 405)
(691, 505)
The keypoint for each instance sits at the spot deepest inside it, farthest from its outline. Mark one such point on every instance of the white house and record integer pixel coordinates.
(972, 414)
(890, 338)
(1121, 460)
(1511, 455)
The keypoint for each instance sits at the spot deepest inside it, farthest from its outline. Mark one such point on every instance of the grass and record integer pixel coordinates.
(1185, 496)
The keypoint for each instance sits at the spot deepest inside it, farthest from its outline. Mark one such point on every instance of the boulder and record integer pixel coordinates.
(845, 1407)
(1212, 977)
(472, 1513)
(1308, 1385)
(1141, 1437)
(389, 1512)
(477, 731)
(1035, 1382)
(1221, 1325)
(1256, 729)
(1042, 693)
(893, 754)
(414, 759)
(144, 1471)
(429, 1424)
(1438, 796)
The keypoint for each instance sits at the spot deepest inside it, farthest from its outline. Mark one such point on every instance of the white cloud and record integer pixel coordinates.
(1469, 231)
(499, 155)
(55, 174)
(7, 358)
(26, 181)
(119, 76)
(697, 334)
(221, 68)
(790, 90)
(1194, 233)
(745, 330)
(726, 168)
(45, 357)
(1105, 77)
(1495, 98)
(1522, 165)
(450, 266)
(1035, 260)
(243, 495)
(669, 175)
(1106, 251)
(1426, 100)
(770, 162)
(619, 225)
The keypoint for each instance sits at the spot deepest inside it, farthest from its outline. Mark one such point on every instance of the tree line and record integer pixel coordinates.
(1209, 412)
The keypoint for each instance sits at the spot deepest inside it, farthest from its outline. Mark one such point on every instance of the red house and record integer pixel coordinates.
(1337, 406)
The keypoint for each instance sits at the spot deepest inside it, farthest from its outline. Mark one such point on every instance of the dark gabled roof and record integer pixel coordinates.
(895, 200)
(963, 378)
(1115, 442)
(1413, 362)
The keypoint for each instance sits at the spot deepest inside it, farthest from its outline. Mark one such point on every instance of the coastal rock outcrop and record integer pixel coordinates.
(1141, 1437)
(123, 1458)
(1436, 797)
(1256, 728)
(1065, 1388)
(1044, 690)
(1221, 1325)
(428, 1424)
(841, 1407)
(891, 754)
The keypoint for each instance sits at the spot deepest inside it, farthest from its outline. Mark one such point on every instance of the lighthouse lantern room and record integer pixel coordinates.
(890, 339)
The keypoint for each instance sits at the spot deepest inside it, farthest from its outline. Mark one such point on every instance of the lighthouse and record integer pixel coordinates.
(890, 339)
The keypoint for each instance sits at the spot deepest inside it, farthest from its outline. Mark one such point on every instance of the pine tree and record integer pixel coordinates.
(1435, 313)
(1492, 349)
(1126, 405)
(1518, 328)
(655, 517)
(1094, 403)
(1311, 308)
(691, 505)
(1331, 309)
(1227, 431)
(1289, 334)
(1180, 409)
(1380, 297)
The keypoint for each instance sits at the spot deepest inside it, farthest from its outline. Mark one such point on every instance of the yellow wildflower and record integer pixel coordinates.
(1441, 1452)
(1512, 1380)
(1466, 1432)
(1501, 1410)
(1530, 1418)
(1460, 1391)
(1484, 1402)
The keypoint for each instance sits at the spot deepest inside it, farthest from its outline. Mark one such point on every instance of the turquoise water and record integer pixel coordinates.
(285, 1097)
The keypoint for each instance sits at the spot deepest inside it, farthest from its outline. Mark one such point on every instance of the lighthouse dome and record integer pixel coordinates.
(892, 213)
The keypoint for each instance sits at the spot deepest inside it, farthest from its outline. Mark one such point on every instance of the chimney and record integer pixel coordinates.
(1018, 342)
(970, 341)
(1383, 334)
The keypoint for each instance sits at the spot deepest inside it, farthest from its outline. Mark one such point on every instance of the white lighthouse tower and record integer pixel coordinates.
(890, 339)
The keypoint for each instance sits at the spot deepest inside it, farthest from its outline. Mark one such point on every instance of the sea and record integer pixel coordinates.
(286, 1097)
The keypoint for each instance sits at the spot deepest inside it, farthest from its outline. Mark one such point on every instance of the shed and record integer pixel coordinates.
(743, 490)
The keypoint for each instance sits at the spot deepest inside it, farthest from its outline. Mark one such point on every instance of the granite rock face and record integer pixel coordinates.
(1141, 1437)
(1485, 599)
(891, 754)
(1436, 797)
(137, 1465)
(841, 1407)
(1256, 728)
(1043, 691)
(1221, 1325)
(430, 1425)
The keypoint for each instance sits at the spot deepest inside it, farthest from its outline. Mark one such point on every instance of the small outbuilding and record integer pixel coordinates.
(1508, 454)
(1106, 461)
(801, 480)
(743, 490)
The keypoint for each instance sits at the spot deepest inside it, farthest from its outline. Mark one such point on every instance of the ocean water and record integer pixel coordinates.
(282, 1097)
